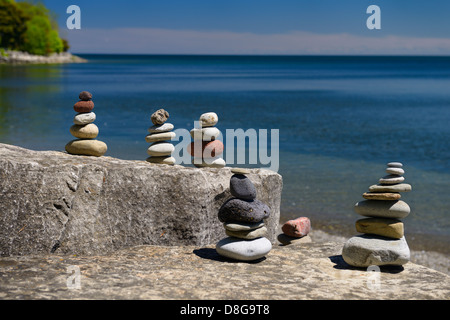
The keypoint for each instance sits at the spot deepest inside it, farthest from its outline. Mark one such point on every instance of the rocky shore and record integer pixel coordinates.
(19, 57)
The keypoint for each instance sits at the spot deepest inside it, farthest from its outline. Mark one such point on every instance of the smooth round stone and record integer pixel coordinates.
(205, 134)
(209, 119)
(381, 196)
(84, 118)
(88, 131)
(162, 160)
(85, 96)
(395, 164)
(83, 106)
(392, 179)
(243, 226)
(287, 240)
(243, 250)
(159, 149)
(163, 136)
(401, 187)
(391, 228)
(383, 209)
(243, 210)
(249, 234)
(242, 187)
(159, 117)
(240, 171)
(205, 149)
(216, 162)
(395, 171)
(87, 147)
(297, 228)
(367, 250)
(158, 128)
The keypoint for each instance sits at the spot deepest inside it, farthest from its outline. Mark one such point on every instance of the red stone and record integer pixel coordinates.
(83, 106)
(297, 228)
(209, 149)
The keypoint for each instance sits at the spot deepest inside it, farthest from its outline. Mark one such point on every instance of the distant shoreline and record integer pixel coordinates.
(12, 57)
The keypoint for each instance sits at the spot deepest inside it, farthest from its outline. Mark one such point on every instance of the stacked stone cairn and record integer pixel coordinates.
(160, 150)
(206, 149)
(295, 231)
(85, 130)
(243, 218)
(382, 241)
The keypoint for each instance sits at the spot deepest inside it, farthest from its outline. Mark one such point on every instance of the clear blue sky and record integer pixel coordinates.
(257, 26)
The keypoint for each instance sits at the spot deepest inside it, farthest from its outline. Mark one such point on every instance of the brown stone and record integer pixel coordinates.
(208, 149)
(84, 106)
(159, 117)
(85, 96)
(381, 196)
(391, 228)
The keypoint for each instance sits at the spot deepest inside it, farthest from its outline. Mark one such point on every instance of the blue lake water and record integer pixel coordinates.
(341, 119)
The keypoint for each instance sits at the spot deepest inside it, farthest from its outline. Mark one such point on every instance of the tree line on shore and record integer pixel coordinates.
(29, 27)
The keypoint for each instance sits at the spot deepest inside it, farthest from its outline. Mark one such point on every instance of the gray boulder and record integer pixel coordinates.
(55, 202)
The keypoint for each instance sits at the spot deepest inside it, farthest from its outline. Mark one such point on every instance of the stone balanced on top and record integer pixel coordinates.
(160, 150)
(383, 241)
(85, 130)
(243, 218)
(206, 149)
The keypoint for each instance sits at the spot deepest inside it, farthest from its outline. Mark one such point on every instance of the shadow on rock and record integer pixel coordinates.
(211, 254)
(342, 265)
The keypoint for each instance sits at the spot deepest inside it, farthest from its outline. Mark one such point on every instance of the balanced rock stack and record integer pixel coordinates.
(383, 241)
(295, 231)
(160, 150)
(243, 218)
(206, 149)
(85, 130)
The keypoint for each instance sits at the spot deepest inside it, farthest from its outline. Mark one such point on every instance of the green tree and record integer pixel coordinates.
(12, 25)
(29, 27)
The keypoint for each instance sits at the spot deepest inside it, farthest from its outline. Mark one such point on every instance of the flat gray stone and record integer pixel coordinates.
(248, 234)
(395, 164)
(392, 179)
(401, 187)
(242, 226)
(383, 208)
(396, 171)
(367, 250)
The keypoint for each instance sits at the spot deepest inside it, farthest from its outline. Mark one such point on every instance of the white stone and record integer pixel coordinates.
(84, 118)
(158, 128)
(159, 149)
(395, 171)
(216, 162)
(163, 136)
(243, 250)
(162, 160)
(205, 134)
(209, 119)
(367, 250)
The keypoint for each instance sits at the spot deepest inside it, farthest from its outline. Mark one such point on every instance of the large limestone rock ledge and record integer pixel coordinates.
(312, 270)
(53, 202)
